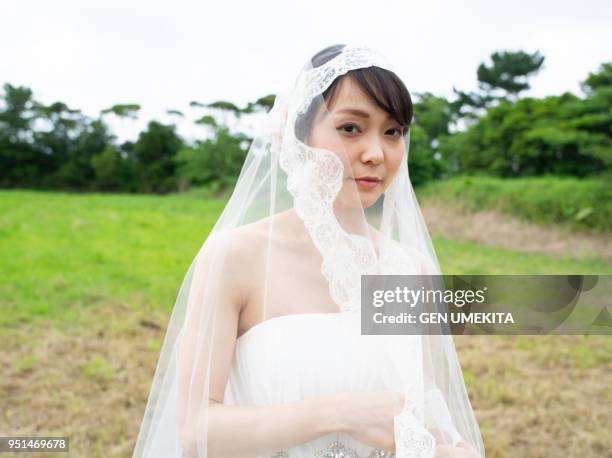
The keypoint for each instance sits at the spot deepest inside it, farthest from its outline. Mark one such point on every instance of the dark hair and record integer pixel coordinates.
(383, 87)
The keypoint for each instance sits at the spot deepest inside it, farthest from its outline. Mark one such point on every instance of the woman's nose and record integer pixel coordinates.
(373, 152)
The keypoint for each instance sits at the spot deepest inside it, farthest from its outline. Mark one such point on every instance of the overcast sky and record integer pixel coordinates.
(93, 54)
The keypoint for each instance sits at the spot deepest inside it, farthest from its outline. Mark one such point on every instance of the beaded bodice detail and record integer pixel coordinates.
(337, 450)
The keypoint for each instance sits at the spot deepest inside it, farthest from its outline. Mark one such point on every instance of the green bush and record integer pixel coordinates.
(584, 204)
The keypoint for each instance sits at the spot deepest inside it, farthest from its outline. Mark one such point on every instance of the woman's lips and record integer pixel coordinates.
(367, 184)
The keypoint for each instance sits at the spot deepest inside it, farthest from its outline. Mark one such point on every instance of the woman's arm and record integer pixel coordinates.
(239, 431)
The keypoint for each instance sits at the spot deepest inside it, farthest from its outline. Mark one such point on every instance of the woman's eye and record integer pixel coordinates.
(353, 128)
(345, 127)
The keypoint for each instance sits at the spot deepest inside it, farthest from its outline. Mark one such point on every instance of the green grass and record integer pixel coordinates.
(61, 252)
(582, 354)
(583, 204)
(458, 258)
(98, 369)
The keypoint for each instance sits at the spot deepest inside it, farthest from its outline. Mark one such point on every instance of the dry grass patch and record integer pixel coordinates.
(533, 396)
(489, 227)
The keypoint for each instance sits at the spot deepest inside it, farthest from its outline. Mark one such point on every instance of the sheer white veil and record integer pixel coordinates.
(294, 195)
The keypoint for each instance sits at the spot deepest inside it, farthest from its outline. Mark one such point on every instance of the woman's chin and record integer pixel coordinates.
(367, 200)
(353, 197)
(369, 197)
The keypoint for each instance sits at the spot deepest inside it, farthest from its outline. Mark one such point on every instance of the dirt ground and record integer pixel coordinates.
(530, 398)
(494, 229)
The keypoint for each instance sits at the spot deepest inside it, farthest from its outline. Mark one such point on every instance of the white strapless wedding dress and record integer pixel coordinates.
(299, 356)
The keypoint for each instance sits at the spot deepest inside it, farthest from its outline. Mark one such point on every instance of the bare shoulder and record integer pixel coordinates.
(231, 249)
(240, 251)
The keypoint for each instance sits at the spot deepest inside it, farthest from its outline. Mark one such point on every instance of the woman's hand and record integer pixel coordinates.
(368, 416)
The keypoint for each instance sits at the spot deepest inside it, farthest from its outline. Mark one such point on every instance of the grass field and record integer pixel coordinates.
(89, 282)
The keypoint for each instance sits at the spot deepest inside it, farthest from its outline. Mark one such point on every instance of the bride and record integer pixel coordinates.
(264, 356)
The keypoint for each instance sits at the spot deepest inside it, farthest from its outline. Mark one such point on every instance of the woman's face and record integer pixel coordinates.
(365, 137)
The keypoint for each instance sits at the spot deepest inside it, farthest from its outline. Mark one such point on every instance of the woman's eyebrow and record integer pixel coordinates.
(357, 112)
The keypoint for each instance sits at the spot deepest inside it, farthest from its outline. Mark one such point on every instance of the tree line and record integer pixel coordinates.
(491, 131)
